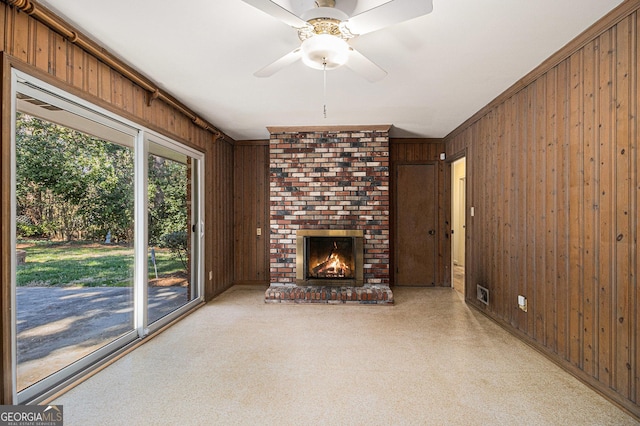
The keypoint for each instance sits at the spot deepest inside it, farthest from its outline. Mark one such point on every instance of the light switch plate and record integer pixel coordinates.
(522, 303)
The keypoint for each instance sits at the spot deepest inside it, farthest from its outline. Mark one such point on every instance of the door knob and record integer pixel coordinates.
(432, 232)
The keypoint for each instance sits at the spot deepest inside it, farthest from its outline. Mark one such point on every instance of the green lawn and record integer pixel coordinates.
(85, 264)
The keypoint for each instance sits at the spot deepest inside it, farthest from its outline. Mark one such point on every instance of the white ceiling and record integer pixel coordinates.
(442, 67)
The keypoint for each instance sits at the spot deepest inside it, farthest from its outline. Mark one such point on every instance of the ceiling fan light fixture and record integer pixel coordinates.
(325, 51)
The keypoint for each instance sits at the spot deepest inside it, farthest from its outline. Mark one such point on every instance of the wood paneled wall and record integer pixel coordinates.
(251, 211)
(424, 151)
(219, 253)
(32, 47)
(552, 169)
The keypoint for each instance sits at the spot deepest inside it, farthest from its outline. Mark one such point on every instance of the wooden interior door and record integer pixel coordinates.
(416, 220)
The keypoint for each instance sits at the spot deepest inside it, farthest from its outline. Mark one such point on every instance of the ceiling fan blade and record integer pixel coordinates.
(276, 66)
(389, 13)
(364, 66)
(278, 12)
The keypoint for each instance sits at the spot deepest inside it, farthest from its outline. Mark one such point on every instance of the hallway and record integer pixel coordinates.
(429, 359)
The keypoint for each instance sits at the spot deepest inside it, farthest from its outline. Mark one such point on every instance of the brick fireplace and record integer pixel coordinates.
(324, 179)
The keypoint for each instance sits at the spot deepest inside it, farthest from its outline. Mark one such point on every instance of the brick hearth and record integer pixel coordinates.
(330, 295)
(329, 179)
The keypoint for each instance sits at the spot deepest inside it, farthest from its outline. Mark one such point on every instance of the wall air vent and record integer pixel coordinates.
(483, 294)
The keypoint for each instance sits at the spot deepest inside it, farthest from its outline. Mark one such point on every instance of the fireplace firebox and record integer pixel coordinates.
(329, 257)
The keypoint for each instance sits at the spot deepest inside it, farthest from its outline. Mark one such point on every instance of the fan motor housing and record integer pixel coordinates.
(324, 12)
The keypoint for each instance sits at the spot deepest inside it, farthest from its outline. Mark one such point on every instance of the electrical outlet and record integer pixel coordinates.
(258, 231)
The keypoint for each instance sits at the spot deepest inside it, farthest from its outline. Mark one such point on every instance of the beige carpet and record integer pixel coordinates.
(428, 360)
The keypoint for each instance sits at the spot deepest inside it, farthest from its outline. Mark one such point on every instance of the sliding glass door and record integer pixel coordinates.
(107, 237)
(172, 228)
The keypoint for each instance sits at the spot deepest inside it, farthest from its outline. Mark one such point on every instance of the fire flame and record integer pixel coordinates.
(333, 266)
(337, 264)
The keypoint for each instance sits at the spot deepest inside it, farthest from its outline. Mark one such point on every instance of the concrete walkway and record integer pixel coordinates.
(59, 325)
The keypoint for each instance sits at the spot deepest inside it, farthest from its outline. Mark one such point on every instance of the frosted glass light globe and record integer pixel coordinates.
(325, 48)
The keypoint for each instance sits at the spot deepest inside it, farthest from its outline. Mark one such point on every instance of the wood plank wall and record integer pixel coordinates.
(552, 168)
(32, 47)
(219, 244)
(251, 211)
(424, 151)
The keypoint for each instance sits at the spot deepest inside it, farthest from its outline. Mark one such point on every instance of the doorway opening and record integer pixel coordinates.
(458, 224)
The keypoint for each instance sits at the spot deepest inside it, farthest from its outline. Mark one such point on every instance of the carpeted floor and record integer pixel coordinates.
(427, 360)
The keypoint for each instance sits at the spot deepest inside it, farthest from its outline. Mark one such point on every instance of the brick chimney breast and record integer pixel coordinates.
(330, 178)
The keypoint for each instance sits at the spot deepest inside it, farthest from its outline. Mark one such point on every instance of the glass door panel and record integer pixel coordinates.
(74, 237)
(170, 229)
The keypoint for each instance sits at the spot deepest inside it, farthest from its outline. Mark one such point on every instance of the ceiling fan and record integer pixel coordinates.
(325, 30)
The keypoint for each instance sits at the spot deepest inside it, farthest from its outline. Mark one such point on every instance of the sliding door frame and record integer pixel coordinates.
(141, 328)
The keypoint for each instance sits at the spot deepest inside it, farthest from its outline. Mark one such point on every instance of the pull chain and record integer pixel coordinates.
(324, 88)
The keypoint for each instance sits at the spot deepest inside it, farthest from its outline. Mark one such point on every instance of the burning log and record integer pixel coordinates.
(324, 267)
(332, 266)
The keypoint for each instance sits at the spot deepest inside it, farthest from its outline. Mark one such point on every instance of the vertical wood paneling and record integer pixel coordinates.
(75, 61)
(540, 145)
(553, 173)
(3, 33)
(251, 211)
(19, 47)
(590, 186)
(261, 207)
(488, 210)
(605, 106)
(514, 241)
(104, 82)
(219, 216)
(520, 319)
(496, 135)
(563, 218)
(41, 50)
(91, 79)
(444, 226)
(622, 188)
(238, 220)
(635, 175)
(550, 223)
(504, 244)
(576, 171)
(530, 208)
